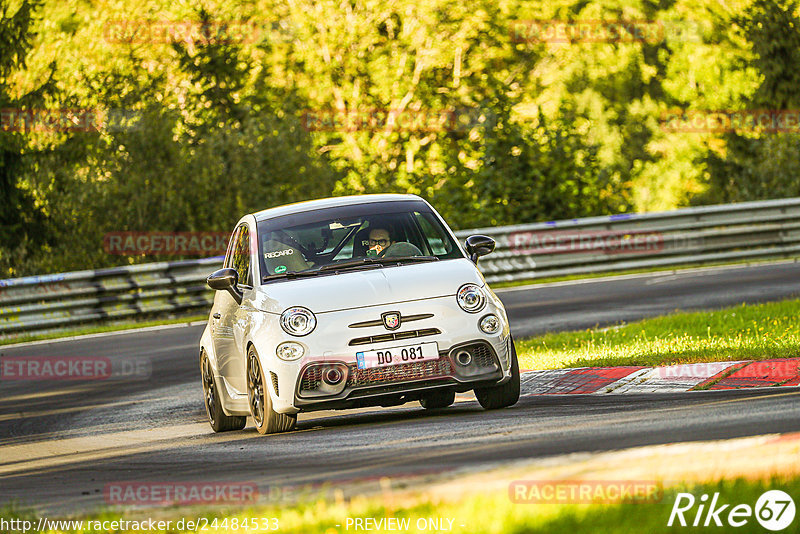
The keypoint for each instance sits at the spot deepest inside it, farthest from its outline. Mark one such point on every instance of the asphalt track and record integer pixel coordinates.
(61, 443)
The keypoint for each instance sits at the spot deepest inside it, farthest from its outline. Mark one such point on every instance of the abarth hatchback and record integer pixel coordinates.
(349, 302)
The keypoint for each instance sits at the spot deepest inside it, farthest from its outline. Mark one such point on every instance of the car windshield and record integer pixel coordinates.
(348, 237)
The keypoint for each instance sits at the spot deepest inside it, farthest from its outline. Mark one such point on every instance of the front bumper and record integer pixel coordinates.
(387, 386)
(340, 335)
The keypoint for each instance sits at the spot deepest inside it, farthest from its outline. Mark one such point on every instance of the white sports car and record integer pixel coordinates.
(350, 302)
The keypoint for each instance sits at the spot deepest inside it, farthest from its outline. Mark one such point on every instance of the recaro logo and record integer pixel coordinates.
(278, 254)
(774, 510)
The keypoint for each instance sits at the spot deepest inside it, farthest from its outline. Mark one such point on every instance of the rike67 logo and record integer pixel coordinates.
(774, 510)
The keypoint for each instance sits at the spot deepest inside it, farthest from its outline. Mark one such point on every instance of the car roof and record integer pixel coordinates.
(334, 202)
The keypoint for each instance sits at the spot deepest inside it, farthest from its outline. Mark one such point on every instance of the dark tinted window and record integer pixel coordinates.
(241, 256)
(231, 247)
(311, 240)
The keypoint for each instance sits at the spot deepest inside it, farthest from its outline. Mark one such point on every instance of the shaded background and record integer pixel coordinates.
(211, 123)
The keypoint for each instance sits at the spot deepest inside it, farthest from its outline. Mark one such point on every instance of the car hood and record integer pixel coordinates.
(370, 287)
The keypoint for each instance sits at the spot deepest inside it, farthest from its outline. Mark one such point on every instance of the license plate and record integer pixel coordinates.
(397, 355)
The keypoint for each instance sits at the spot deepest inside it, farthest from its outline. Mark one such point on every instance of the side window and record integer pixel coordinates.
(241, 256)
(231, 247)
(438, 243)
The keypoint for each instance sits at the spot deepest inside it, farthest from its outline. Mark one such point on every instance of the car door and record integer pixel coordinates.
(230, 317)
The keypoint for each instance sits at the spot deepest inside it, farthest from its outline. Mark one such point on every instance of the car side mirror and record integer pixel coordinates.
(479, 245)
(226, 280)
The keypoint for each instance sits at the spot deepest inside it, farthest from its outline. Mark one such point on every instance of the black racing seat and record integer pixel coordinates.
(281, 258)
(361, 243)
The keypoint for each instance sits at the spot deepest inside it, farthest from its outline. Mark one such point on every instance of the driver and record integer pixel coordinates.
(382, 244)
(379, 240)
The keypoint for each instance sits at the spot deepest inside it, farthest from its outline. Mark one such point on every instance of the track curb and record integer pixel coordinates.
(777, 372)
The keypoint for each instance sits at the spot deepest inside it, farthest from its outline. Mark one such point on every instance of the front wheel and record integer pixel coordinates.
(504, 395)
(216, 417)
(267, 420)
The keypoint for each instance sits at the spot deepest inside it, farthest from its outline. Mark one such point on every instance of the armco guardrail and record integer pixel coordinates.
(709, 234)
(712, 234)
(39, 304)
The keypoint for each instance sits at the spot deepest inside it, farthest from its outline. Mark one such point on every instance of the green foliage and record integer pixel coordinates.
(759, 165)
(217, 125)
(773, 28)
(22, 224)
(546, 170)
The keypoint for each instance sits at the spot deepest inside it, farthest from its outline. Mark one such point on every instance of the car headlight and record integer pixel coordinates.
(298, 321)
(471, 298)
(290, 351)
(490, 324)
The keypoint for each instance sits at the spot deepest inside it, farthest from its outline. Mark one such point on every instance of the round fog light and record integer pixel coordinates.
(490, 324)
(463, 358)
(290, 351)
(332, 376)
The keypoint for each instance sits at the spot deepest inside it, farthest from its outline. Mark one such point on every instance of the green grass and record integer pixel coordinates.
(493, 512)
(80, 331)
(746, 332)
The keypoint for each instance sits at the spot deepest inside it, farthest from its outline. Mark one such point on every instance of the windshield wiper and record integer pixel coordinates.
(375, 261)
(350, 264)
(399, 259)
(290, 275)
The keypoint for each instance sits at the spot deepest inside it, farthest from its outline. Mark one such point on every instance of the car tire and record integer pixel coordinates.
(504, 395)
(267, 420)
(437, 400)
(216, 417)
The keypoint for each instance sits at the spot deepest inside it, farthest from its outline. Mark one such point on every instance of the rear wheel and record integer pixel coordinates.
(216, 417)
(438, 399)
(504, 395)
(267, 420)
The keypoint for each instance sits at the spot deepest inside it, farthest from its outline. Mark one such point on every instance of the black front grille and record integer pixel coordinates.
(311, 379)
(395, 336)
(398, 373)
(482, 355)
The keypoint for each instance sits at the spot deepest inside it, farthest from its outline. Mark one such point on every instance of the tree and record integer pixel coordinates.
(761, 164)
(22, 222)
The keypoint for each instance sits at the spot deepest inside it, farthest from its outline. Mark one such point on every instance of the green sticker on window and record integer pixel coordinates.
(280, 269)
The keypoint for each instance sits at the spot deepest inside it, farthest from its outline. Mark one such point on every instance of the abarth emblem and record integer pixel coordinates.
(391, 320)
